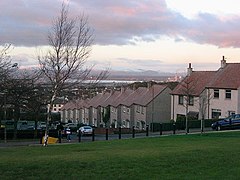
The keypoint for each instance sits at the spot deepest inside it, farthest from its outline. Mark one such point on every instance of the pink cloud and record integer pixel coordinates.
(115, 22)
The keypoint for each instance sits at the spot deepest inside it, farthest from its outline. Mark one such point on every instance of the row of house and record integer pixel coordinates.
(125, 108)
(202, 94)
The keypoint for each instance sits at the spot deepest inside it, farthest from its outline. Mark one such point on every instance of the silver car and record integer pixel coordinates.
(86, 130)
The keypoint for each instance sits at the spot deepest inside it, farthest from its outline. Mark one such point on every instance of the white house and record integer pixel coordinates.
(208, 94)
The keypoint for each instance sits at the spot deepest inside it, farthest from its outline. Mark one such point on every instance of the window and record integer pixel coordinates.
(231, 113)
(228, 94)
(216, 113)
(127, 123)
(216, 93)
(190, 101)
(180, 99)
(124, 109)
(128, 110)
(138, 108)
(124, 124)
(138, 125)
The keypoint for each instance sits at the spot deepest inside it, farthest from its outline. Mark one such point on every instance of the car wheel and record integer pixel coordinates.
(219, 128)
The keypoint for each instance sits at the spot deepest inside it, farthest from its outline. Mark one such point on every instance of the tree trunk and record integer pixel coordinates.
(49, 117)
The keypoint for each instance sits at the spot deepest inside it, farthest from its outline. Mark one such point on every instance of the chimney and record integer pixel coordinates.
(223, 62)
(149, 84)
(122, 89)
(189, 69)
(134, 86)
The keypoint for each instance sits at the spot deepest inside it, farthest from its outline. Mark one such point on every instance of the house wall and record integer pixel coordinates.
(225, 105)
(159, 110)
(85, 116)
(238, 106)
(79, 115)
(56, 107)
(177, 108)
(94, 116)
(139, 116)
(113, 116)
(74, 116)
(123, 116)
(99, 116)
(63, 116)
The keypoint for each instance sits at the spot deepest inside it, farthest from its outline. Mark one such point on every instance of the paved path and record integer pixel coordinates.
(98, 137)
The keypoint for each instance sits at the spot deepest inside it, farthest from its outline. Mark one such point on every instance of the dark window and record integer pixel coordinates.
(180, 99)
(228, 94)
(190, 100)
(216, 113)
(216, 93)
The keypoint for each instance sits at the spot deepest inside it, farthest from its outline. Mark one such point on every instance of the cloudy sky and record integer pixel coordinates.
(159, 35)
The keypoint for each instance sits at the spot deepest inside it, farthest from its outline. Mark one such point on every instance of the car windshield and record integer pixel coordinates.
(87, 127)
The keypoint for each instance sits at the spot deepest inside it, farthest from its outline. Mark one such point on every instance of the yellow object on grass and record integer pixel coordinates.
(51, 140)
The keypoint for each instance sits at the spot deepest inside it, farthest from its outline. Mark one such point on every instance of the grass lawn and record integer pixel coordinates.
(208, 156)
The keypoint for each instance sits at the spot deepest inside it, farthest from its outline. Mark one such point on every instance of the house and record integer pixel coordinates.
(75, 111)
(125, 108)
(208, 94)
(151, 105)
(144, 105)
(120, 112)
(58, 104)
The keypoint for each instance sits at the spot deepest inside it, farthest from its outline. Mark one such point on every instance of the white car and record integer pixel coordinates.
(86, 130)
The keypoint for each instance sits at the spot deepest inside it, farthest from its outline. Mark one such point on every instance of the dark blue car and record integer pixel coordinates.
(231, 122)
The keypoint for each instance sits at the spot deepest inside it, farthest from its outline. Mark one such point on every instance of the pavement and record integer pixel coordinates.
(98, 137)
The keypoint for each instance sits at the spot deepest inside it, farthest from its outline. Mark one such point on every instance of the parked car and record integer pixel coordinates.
(41, 125)
(231, 122)
(71, 125)
(85, 130)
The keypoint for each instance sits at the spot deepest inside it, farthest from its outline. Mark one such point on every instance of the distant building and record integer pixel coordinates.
(58, 104)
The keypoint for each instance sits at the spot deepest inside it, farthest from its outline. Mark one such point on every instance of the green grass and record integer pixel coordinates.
(208, 156)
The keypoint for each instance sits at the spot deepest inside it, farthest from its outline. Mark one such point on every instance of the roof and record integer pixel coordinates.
(111, 98)
(132, 97)
(99, 99)
(224, 78)
(123, 95)
(227, 77)
(195, 83)
(68, 106)
(150, 94)
(127, 97)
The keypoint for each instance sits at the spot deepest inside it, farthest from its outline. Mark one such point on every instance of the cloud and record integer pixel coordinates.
(26, 23)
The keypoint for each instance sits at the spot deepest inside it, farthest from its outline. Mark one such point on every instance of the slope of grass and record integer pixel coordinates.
(208, 156)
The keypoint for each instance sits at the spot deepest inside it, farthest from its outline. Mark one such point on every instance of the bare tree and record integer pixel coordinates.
(5, 69)
(188, 89)
(70, 41)
(5, 61)
(204, 101)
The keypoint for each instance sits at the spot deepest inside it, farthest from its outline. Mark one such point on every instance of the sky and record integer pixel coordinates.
(131, 35)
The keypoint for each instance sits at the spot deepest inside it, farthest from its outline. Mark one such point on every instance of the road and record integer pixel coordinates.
(97, 137)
